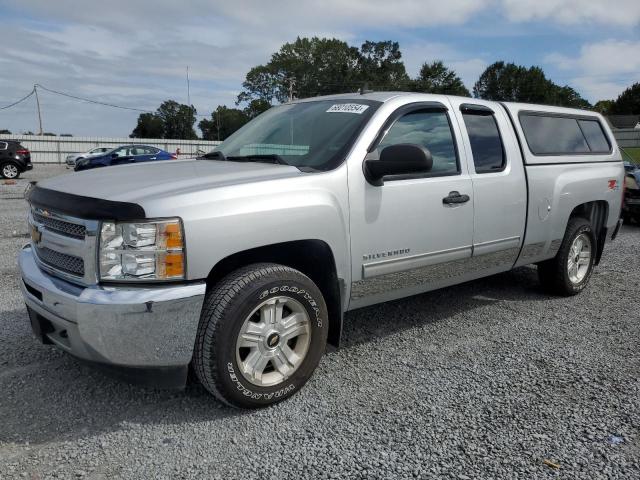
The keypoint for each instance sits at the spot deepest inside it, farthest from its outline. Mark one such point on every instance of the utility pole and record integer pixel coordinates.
(35, 89)
(188, 88)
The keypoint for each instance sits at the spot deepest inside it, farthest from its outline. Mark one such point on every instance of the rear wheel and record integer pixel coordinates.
(9, 170)
(569, 272)
(262, 332)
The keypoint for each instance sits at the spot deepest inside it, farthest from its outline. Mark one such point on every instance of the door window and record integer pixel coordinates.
(121, 152)
(430, 129)
(486, 144)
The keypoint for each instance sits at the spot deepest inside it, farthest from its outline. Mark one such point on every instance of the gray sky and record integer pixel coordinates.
(135, 53)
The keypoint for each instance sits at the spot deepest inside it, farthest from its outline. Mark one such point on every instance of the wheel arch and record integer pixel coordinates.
(312, 257)
(597, 213)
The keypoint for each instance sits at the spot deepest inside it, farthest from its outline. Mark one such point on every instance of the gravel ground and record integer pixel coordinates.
(489, 379)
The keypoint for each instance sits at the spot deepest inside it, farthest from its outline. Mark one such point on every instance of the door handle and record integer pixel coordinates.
(455, 198)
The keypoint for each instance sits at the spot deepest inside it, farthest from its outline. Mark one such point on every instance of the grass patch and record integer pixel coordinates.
(634, 154)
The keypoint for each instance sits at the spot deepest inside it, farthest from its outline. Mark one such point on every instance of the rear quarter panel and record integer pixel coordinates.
(557, 184)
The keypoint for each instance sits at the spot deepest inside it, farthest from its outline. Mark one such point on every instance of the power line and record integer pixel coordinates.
(19, 101)
(89, 100)
(105, 104)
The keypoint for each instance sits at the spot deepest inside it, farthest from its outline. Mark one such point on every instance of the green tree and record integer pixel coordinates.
(224, 121)
(628, 103)
(172, 120)
(149, 125)
(603, 106)
(256, 107)
(514, 83)
(435, 77)
(380, 64)
(303, 68)
(178, 120)
(323, 66)
(4, 131)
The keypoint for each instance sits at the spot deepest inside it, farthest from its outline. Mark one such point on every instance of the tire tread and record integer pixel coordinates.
(215, 304)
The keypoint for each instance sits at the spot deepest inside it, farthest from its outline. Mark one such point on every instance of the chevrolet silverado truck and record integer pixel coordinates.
(239, 265)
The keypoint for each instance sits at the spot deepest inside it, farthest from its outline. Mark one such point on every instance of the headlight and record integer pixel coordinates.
(144, 251)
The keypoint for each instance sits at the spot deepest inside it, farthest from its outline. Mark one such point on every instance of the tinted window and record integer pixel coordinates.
(551, 135)
(486, 144)
(596, 139)
(429, 129)
(3, 145)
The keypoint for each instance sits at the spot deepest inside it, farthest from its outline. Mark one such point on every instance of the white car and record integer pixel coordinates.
(74, 157)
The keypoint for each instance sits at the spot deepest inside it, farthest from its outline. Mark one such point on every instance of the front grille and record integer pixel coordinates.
(61, 261)
(60, 226)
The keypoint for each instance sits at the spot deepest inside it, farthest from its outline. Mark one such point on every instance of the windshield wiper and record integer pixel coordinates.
(267, 158)
(214, 155)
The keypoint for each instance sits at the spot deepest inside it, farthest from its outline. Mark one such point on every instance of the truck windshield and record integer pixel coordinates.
(313, 136)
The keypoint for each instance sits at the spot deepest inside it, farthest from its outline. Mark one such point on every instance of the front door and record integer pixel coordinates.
(407, 236)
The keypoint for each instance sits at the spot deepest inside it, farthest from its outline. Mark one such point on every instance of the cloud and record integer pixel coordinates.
(136, 53)
(602, 70)
(624, 13)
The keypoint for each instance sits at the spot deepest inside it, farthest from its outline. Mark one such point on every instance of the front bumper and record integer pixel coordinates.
(150, 327)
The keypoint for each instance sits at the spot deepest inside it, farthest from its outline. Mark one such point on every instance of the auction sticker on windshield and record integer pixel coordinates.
(348, 108)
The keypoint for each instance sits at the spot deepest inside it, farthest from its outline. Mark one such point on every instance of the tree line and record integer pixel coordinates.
(315, 66)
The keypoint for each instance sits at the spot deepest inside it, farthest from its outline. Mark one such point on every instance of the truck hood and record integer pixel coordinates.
(137, 182)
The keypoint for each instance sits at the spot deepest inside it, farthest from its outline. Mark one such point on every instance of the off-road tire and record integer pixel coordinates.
(227, 305)
(553, 274)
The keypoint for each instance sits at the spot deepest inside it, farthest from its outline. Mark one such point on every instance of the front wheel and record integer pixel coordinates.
(262, 332)
(10, 170)
(569, 272)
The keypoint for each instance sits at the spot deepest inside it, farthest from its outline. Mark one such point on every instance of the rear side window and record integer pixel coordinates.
(596, 139)
(486, 144)
(430, 129)
(3, 145)
(557, 135)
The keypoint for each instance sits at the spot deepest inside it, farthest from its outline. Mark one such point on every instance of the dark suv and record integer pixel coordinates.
(14, 159)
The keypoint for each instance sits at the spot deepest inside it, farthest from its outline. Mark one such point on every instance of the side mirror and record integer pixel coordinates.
(400, 159)
(114, 155)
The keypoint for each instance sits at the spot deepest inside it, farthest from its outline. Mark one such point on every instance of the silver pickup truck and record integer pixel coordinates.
(240, 265)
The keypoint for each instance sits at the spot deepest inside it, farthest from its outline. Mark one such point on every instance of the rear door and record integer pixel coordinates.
(499, 185)
(405, 236)
(144, 153)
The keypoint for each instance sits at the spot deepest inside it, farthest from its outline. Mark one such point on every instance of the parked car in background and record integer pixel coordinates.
(74, 157)
(123, 155)
(14, 159)
(631, 204)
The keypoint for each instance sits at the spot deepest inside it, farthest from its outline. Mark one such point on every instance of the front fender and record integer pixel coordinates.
(227, 220)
